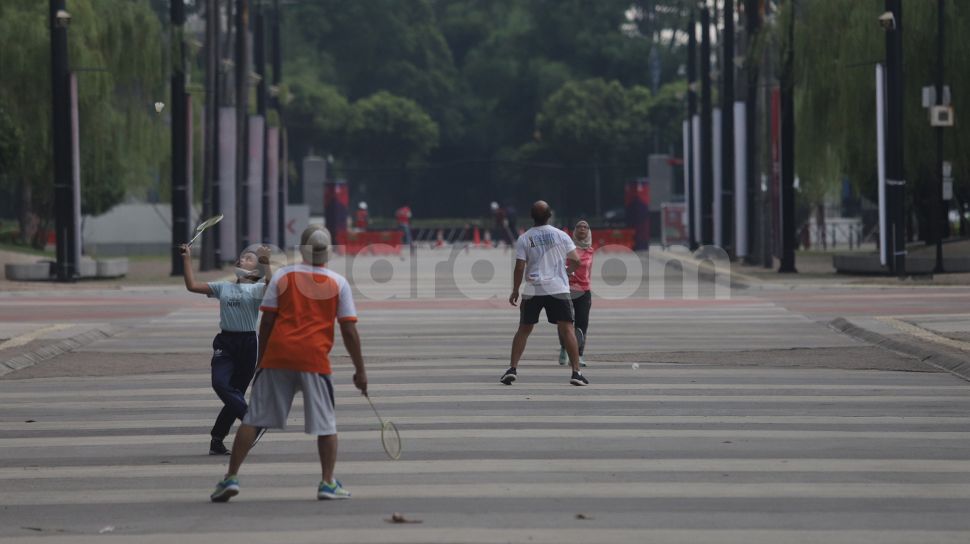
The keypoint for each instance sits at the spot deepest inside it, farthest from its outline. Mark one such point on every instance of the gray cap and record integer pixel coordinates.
(315, 244)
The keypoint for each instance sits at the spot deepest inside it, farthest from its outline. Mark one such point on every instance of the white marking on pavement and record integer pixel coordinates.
(532, 490)
(205, 392)
(26, 338)
(527, 466)
(473, 535)
(525, 396)
(402, 418)
(466, 433)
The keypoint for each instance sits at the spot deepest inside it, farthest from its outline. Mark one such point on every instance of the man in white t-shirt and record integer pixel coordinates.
(545, 257)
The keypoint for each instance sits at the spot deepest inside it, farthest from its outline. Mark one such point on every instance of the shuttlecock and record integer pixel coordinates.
(635, 366)
(159, 106)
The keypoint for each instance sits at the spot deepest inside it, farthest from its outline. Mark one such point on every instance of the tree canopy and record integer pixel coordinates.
(116, 51)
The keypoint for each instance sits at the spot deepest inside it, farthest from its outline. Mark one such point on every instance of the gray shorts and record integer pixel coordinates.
(272, 395)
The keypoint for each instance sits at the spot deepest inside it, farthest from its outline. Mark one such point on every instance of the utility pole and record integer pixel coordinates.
(706, 155)
(242, 125)
(788, 150)
(180, 202)
(281, 150)
(210, 183)
(752, 27)
(895, 176)
(727, 131)
(941, 206)
(66, 268)
(691, 112)
(259, 49)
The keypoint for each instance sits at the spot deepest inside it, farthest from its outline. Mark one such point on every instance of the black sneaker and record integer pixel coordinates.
(578, 379)
(508, 377)
(216, 447)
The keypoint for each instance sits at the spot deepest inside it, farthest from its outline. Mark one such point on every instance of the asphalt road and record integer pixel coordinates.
(746, 419)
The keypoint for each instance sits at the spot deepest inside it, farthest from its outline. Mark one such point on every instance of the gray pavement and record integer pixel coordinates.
(746, 419)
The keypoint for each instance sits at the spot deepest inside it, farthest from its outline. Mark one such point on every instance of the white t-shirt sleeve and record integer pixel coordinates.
(216, 288)
(346, 311)
(271, 294)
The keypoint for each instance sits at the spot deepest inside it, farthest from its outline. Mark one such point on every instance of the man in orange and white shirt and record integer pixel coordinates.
(296, 334)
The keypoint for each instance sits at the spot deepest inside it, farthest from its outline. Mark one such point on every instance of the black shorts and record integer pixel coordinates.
(558, 308)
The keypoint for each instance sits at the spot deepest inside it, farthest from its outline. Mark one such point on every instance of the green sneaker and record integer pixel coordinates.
(225, 489)
(333, 490)
(563, 358)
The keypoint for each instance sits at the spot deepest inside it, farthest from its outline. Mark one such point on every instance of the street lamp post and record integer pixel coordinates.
(706, 156)
(259, 50)
(941, 207)
(727, 132)
(692, 196)
(277, 58)
(180, 198)
(788, 151)
(211, 257)
(66, 268)
(895, 177)
(242, 126)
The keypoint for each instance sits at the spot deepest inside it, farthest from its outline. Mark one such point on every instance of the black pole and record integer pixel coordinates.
(242, 125)
(895, 177)
(941, 206)
(788, 150)
(66, 269)
(706, 155)
(752, 27)
(727, 131)
(277, 79)
(691, 112)
(259, 49)
(180, 204)
(210, 182)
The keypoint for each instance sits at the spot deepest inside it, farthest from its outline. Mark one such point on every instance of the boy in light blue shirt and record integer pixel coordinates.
(234, 348)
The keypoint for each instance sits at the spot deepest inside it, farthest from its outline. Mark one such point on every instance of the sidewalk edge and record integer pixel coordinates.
(31, 358)
(932, 357)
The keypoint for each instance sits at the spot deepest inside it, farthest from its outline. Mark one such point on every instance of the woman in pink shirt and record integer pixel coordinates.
(579, 289)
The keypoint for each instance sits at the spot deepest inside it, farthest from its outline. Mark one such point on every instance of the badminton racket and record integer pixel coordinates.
(390, 438)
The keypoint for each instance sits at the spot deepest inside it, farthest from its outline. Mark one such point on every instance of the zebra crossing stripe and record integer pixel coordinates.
(571, 535)
(527, 490)
(520, 466)
(508, 434)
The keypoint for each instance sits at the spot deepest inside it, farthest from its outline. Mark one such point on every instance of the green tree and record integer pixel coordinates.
(384, 134)
(379, 45)
(118, 46)
(316, 119)
(837, 45)
(596, 125)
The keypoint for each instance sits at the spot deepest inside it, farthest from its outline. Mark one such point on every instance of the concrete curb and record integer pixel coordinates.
(933, 357)
(734, 279)
(31, 358)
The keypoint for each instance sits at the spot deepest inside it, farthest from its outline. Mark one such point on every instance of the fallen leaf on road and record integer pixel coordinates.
(398, 517)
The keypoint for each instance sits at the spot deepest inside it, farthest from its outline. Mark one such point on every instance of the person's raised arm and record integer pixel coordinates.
(189, 276)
